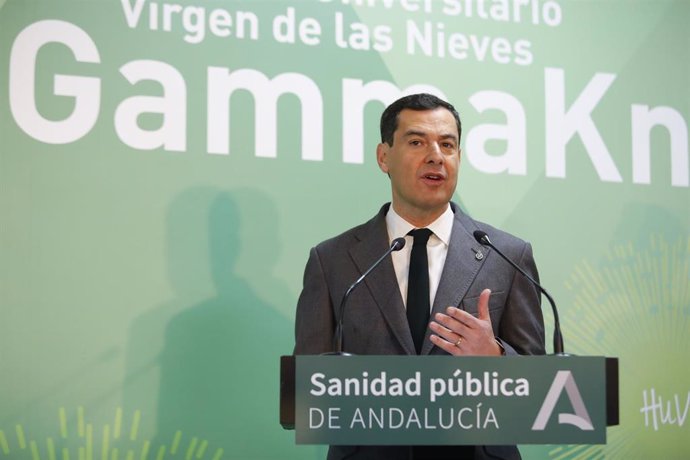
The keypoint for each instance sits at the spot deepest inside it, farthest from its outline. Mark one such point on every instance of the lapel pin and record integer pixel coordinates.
(478, 254)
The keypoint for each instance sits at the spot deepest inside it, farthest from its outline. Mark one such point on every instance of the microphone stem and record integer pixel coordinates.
(338, 345)
(558, 347)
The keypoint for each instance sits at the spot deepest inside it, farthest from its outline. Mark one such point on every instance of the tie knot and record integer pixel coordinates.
(420, 235)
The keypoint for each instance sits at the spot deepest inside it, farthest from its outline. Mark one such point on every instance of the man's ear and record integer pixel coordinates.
(382, 156)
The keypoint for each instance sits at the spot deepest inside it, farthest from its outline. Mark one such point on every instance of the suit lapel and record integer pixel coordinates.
(382, 282)
(461, 267)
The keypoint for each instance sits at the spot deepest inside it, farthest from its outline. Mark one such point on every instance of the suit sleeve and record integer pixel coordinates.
(521, 330)
(314, 321)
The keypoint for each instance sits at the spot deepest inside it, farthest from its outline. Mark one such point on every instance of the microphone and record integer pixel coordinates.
(483, 239)
(396, 245)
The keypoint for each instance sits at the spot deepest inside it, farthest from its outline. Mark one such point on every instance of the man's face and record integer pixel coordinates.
(422, 163)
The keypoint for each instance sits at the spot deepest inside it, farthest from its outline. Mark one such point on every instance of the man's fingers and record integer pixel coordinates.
(445, 345)
(467, 319)
(483, 305)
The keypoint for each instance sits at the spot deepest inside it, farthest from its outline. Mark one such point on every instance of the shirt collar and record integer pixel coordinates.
(442, 226)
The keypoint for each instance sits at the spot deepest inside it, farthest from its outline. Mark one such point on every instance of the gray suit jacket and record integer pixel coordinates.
(375, 321)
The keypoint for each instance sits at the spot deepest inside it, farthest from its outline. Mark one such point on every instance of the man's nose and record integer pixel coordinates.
(434, 154)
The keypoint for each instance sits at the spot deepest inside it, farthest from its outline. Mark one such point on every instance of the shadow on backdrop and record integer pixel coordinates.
(206, 362)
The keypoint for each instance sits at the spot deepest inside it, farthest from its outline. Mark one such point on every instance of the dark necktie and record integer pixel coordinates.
(418, 287)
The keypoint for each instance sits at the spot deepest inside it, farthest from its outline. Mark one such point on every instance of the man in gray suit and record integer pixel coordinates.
(479, 305)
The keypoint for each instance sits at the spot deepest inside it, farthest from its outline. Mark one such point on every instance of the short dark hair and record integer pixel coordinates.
(421, 101)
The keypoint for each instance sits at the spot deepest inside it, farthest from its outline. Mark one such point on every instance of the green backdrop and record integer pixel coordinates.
(165, 168)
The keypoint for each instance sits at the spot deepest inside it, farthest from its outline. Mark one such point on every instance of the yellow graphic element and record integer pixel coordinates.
(63, 423)
(577, 452)
(34, 450)
(106, 443)
(20, 437)
(51, 449)
(176, 442)
(80, 421)
(145, 450)
(634, 304)
(118, 423)
(3, 443)
(111, 445)
(135, 425)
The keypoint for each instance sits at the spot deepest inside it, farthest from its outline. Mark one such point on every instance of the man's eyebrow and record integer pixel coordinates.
(414, 132)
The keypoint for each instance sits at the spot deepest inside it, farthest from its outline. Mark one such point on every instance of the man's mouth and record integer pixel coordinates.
(433, 177)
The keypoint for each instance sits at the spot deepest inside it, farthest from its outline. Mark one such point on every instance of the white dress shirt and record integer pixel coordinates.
(436, 249)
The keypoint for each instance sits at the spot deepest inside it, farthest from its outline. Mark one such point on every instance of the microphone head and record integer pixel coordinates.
(398, 244)
(481, 237)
